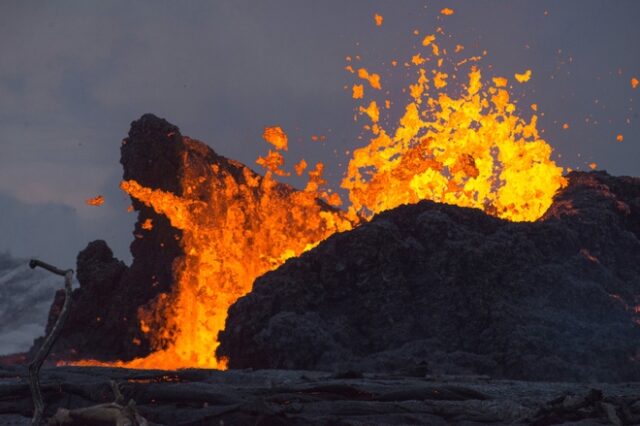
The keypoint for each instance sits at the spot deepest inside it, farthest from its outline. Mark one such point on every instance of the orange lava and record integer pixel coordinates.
(234, 230)
(358, 91)
(95, 201)
(524, 77)
(471, 150)
(373, 79)
(460, 140)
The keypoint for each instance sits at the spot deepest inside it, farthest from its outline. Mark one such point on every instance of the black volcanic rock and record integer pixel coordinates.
(439, 288)
(103, 321)
(94, 324)
(97, 268)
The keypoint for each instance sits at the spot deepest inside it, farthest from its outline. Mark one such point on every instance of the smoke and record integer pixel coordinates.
(49, 231)
(55, 232)
(25, 299)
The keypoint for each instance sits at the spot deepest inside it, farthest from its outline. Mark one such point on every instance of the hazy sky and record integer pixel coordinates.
(74, 74)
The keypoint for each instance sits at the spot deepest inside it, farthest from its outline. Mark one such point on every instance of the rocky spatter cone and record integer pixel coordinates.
(104, 322)
(443, 289)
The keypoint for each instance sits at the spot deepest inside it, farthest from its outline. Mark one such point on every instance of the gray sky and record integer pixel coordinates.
(74, 74)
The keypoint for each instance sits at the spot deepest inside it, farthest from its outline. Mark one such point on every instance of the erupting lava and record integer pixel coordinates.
(236, 226)
(470, 149)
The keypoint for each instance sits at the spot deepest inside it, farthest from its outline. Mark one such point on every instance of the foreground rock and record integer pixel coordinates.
(206, 397)
(443, 289)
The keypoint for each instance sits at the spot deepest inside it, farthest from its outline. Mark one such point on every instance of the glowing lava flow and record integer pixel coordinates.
(470, 149)
(236, 226)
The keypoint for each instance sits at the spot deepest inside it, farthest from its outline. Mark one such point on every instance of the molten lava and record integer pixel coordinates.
(98, 200)
(235, 228)
(462, 145)
(471, 150)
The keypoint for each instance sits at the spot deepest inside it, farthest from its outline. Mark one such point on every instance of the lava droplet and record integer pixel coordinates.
(95, 201)
(524, 77)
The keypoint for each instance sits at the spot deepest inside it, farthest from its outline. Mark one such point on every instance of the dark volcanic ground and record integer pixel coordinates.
(276, 397)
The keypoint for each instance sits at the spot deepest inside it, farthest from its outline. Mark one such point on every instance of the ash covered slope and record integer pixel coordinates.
(432, 287)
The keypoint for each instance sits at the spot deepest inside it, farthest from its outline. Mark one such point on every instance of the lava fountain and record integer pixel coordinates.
(460, 141)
